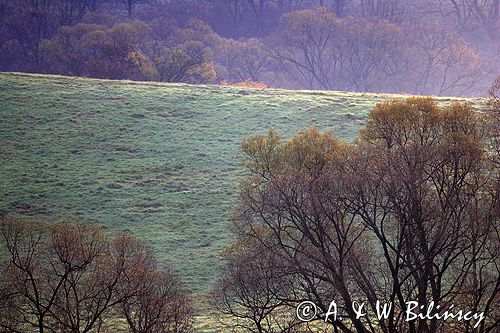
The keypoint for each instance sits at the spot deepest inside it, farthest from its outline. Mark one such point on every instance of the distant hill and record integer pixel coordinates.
(157, 160)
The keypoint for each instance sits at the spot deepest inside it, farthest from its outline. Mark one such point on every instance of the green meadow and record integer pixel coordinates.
(159, 161)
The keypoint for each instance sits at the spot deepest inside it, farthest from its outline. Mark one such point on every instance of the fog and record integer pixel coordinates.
(442, 47)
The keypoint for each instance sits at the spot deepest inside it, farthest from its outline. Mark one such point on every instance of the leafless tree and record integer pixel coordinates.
(130, 4)
(470, 12)
(254, 292)
(494, 119)
(392, 10)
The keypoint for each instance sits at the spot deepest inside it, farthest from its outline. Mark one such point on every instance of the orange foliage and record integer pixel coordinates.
(245, 84)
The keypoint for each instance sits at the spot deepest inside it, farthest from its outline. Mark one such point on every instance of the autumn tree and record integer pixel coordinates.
(99, 51)
(188, 62)
(304, 45)
(65, 277)
(448, 64)
(69, 51)
(408, 212)
(158, 303)
(197, 31)
(131, 51)
(243, 60)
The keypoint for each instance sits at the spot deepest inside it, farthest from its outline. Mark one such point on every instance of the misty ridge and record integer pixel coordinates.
(443, 47)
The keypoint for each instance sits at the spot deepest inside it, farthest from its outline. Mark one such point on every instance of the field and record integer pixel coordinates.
(160, 161)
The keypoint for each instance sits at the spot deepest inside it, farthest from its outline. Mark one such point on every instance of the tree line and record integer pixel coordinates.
(419, 47)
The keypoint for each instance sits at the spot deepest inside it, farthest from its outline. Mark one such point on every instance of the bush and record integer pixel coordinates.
(245, 84)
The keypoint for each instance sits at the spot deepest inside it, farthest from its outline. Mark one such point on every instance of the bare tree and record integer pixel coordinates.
(42, 261)
(70, 11)
(375, 55)
(392, 10)
(130, 4)
(495, 94)
(469, 12)
(254, 292)
(494, 119)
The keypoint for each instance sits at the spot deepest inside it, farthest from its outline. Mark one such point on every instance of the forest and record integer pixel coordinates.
(443, 47)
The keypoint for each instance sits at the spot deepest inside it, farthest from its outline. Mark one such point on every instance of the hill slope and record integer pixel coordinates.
(158, 160)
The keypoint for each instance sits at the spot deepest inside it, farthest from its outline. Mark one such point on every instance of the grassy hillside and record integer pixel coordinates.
(157, 160)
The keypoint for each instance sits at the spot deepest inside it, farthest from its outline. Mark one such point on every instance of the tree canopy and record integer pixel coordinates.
(408, 212)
